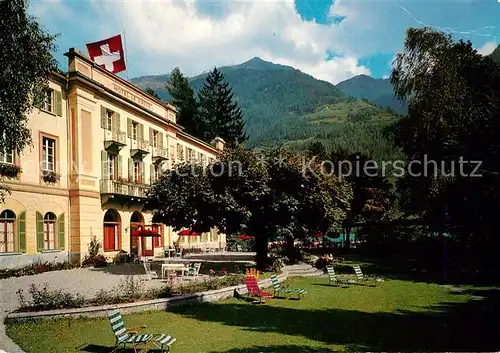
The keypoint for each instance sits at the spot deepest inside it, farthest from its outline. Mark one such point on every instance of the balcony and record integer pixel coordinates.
(159, 154)
(139, 148)
(123, 191)
(114, 140)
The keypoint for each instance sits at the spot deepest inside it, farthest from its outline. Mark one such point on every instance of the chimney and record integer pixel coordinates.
(218, 143)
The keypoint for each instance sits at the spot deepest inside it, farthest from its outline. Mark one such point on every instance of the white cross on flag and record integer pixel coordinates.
(108, 53)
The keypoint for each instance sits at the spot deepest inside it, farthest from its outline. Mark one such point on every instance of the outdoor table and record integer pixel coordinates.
(170, 252)
(174, 267)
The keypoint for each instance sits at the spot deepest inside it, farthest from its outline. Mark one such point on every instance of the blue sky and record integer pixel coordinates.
(331, 40)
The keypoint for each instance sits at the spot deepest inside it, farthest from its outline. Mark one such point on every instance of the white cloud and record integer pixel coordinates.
(175, 33)
(487, 48)
(164, 34)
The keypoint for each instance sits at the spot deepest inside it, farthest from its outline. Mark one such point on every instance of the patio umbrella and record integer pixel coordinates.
(144, 233)
(188, 232)
(244, 237)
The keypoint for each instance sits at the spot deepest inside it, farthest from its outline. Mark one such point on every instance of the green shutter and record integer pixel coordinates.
(141, 132)
(58, 103)
(160, 139)
(103, 117)
(119, 168)
(21, 232)
(151, 132)
(130, 169)
(129, 128)
(117, 121)
(39, 232)
(152, 173)
(104, 164)
(143, 173)
(60, 231)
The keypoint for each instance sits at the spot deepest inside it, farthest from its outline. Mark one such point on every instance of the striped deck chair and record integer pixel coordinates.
(332, 276)
(362, 278)
(277, 288)
(253, 289)
(123, 335)
(131, 336)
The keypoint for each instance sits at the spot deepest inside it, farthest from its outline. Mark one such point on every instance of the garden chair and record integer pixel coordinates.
(194, 269)
(253, 289)
(150, 274)
(131, 336)
(277, 288)
(362, 278)
(332, 276)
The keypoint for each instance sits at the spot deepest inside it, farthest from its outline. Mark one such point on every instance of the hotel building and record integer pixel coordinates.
(98, 143)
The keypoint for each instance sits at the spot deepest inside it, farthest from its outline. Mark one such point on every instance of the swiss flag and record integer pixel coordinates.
(108, 53)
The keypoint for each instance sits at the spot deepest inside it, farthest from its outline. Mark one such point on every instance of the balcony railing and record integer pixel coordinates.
(121, 187)
(160, 153)
(139, 147)
(115, 138)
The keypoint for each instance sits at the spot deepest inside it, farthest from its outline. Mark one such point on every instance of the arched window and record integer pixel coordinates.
(7, 231)
(112, 231)
(49, 231)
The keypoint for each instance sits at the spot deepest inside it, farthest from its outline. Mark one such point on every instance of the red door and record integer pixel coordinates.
(147, 246)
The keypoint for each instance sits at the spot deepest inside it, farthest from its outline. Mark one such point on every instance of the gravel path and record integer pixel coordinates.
(86, 281)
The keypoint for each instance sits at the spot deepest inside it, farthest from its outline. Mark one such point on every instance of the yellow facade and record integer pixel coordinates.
(104, 141)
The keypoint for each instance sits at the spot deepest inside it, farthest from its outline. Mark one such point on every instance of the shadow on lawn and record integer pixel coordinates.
(92, 348)
(469, 326)
(276, 349)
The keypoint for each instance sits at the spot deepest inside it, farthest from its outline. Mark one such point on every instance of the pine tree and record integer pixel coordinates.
(151, 92)
(185, 102)
(219, 112)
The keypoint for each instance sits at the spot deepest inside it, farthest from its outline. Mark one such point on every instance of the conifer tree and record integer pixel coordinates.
(185, 102)
(220, 113)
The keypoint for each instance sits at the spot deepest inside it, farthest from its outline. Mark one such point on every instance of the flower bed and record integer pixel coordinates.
(130, 290)
(36, 268)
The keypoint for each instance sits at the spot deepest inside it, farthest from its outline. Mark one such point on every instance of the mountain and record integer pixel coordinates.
(496, 55)
(271, 96)
(378, 91)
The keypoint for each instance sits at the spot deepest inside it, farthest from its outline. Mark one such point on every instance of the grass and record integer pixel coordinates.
(395, 315)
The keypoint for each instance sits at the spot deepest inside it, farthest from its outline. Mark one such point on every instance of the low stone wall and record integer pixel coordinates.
(147, 305)
(12, 261)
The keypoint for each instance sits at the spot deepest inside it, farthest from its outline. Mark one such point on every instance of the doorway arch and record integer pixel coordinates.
(136, 224)
(112, 239)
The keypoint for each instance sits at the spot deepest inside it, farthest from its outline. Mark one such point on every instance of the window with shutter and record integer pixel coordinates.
(58, 103)
(39, 232)
(8, 242)
(60, 232)
(21, 232)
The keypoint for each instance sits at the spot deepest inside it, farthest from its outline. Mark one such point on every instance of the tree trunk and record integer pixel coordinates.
(347, 239)
(290, 248)
(261, 250)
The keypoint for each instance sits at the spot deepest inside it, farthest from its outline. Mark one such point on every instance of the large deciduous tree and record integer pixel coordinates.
(219, 111)
(185, 102)
(26, 62)
(454, 105)
(264, 196)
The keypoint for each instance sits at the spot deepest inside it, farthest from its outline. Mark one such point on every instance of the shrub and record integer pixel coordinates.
(36, 268)
(94, 246)
(96, 261)
(45, 299)
(324, 261)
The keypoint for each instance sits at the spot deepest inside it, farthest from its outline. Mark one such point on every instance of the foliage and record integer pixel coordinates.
(323, 261)
(35, 268)
(453, 94)
(10, 171)
(26, 61)
(50, 177)
(94, 246)
(221, 115)
(185, 102)
(45, 299)
(233, 242)
(252, 272)
(151, 92)
(95, 261)
(240, 194)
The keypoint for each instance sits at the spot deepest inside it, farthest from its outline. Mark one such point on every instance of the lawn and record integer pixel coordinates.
(396, 315)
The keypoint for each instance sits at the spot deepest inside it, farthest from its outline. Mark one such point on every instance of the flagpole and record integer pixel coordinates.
(125, 53)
